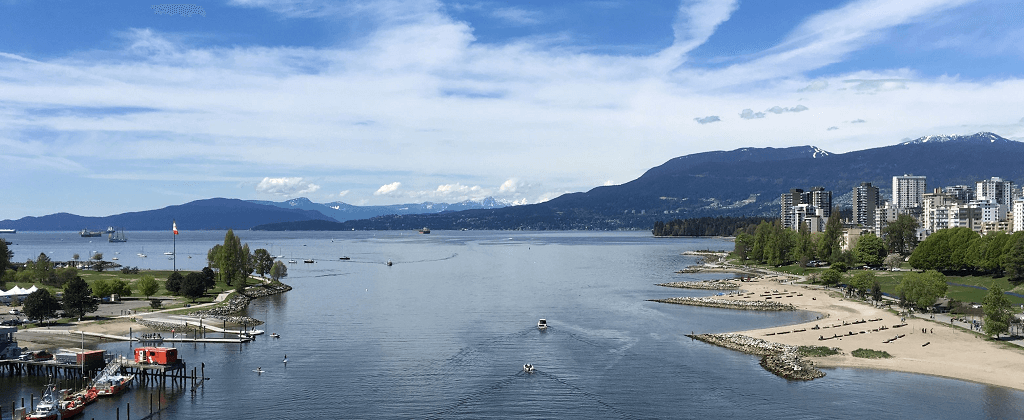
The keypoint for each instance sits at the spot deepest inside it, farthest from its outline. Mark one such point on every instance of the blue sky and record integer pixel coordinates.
(113, 108)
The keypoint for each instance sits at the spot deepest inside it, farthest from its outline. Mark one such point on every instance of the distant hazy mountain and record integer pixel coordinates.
(214, 213)
(341, 212)
(742, 182)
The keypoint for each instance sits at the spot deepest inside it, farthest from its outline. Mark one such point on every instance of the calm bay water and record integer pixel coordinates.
(444, 332)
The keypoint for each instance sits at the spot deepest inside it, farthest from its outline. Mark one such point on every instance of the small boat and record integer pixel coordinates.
(110, 229)
(52, 406)
(308, 261)
(291, 261)
(542, 324)
(115, 258)
(168, 253)
(528, 368)
(259, 370)
(344, 258)
(275, 335)
(389, 263)
(425, 231)
(110, 381)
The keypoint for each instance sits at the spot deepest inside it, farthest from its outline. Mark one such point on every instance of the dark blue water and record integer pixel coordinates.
(444, 332)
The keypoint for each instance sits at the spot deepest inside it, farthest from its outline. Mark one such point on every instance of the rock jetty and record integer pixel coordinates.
(750, 305)
(241, 300)
(779, 359)
(703, 285)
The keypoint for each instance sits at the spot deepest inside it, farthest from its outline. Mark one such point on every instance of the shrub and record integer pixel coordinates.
(870, 354)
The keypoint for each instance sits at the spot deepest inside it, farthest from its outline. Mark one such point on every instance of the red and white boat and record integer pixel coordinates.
(110, 381)
(50, 407)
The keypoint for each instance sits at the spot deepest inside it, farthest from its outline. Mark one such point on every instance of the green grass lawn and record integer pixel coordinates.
(160, 276)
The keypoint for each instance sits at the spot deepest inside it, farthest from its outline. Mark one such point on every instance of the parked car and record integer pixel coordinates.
(13, 312)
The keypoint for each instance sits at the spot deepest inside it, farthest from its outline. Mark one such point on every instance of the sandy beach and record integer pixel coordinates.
(942, 350)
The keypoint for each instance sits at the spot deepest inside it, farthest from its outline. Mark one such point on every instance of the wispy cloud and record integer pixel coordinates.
(388, 188)
(517, 15)
(749, 114)
(708, 119)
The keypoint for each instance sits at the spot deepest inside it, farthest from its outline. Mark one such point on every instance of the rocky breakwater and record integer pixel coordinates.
(240, 301)
(781, 359)
(703, 285)
(750, 305)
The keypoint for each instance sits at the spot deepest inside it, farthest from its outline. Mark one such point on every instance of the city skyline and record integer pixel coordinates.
(119, 108)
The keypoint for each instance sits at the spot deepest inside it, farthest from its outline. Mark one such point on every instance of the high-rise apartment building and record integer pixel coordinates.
(997, 190)
(818, 204)
(907, 191)
(964, 193)
(865, 201)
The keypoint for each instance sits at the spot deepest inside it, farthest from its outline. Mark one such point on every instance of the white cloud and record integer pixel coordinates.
(857, 121)
(608, 183)
(815, 86)
(749, 114)
(832, 128)
(696, 21)
(779, 110)
(510, 186)
(343, 193)
(285, 187)
(388, 189)
(708, 119)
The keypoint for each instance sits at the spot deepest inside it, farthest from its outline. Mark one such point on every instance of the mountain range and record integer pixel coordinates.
(741, 182)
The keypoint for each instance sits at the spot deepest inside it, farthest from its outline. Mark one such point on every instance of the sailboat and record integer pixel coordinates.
(142, 253)
(116, 236)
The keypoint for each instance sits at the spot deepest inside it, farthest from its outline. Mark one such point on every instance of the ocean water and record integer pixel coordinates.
(445, 331)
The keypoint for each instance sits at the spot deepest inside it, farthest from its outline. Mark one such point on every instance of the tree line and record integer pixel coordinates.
(706, 226)
(961, 249)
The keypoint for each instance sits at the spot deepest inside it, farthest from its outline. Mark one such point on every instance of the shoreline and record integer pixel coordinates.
(926, 347)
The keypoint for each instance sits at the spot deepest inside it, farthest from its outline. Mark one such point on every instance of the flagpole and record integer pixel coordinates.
(174, 246)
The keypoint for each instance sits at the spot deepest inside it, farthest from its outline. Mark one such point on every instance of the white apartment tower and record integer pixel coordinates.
(1018, 215)
(907, 191)
(997, 190)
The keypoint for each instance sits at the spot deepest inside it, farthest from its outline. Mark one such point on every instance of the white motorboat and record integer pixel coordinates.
(542, 324)
(528, 368)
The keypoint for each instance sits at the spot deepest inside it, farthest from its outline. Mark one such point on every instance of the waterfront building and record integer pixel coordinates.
(865, 201)
(1018, 215)
(908, 191)
(964, 193)
(996, 189)
(818, 204)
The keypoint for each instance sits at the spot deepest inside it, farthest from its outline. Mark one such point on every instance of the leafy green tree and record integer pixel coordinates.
(869, 250)
(986, 253)
(78, 298)
(209, 278)
(829, 245)
(193, 286)
(212, 255)
(278, 271)
(229, 258)
(173, 283)
(760, 242)
(40, 305)
(6, 256)
(997, 312)
(831, 277)
(1013, 258)
(743, 244)
(263, 261)
(120, 287)
(148, 285)
(900, 236)
(101, 288)
(876, 291)
(97, 256)
(780, 242)
(862, 281)
(922, 289)
(947, 250)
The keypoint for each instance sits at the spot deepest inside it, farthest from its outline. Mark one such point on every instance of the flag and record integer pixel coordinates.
(174, 225)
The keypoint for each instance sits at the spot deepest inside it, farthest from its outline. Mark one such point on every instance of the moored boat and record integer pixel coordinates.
(86, 233)
(53, 406)
(110, 381)
(425, 230)
(542, 324)
(8, 231)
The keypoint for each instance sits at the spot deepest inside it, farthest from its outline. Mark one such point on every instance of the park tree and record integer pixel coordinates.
(862, 281)
(829, 247)
(193, 286)
(147, 285)
(278, 271)
(922, 289)
(1013, 257)
(40, 305)
(173, 283)
(893, 261)
(209, 278)
(212, 255)
(78, 299)
(869, 250)
(120, 287)
(42, 268)
(831, 277)
(986, 253)
(230, 259)
(900, 236)
(997, 312)
(101, 288)
(76, 257)
(743, 244)
(97, 256)
(760, 242)
(263, 261)
(946, 250)
(876, 291)
(6, 256)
